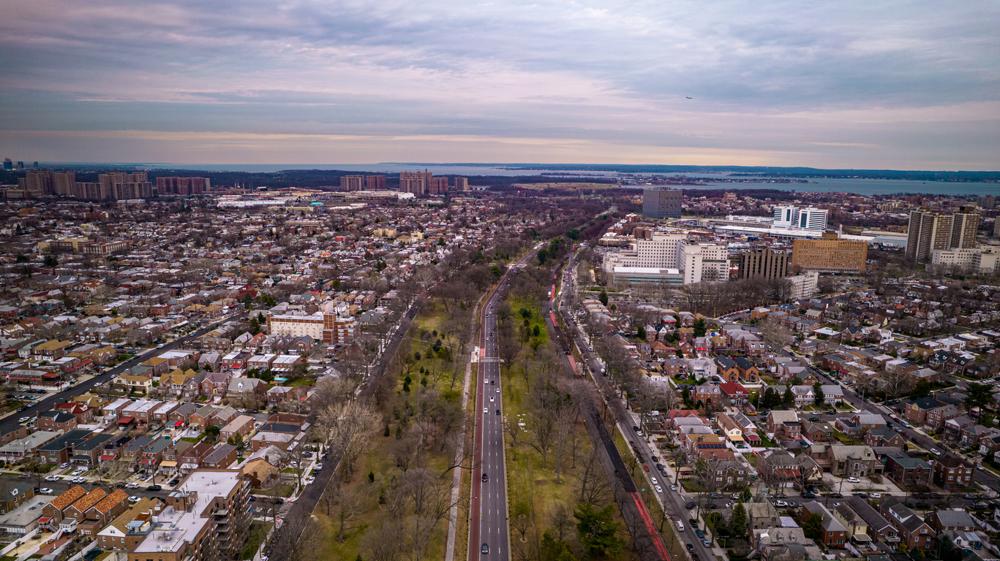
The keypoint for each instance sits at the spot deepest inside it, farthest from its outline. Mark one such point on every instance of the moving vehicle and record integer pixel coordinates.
(485, 549)
(680, 525)
(486, 478)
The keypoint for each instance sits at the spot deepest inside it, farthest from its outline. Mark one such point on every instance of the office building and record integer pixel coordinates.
(182, 185)
(352, 182)
(785, 216)
(461, 183)
(812, 219)
(206, 518)
(705, 262)
(375, 182)
(763, 264)
(930, 231)
(829, 253)
(662, 203)
(809, 218)
(8, 165)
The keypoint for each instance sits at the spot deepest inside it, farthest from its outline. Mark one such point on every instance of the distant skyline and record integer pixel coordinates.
(887, 85)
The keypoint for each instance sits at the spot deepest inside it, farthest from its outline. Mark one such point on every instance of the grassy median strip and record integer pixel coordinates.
(548, 475)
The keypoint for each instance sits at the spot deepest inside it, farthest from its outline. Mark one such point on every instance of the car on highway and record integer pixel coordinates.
(659, 489)
(484, 549)
(491, 399)
(680, 525)
(486, 478)
(689, 546)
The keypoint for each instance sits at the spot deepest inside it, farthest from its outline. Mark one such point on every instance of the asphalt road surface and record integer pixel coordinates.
(10, 423)
(488, 529)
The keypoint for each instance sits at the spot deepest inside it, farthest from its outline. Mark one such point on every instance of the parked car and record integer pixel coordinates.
(154, 488)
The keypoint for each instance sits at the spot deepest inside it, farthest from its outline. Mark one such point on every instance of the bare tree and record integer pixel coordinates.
(348, 426)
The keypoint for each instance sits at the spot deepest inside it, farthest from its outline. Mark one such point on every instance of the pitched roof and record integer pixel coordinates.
(68, 497)
(111, 501)
(90, 499)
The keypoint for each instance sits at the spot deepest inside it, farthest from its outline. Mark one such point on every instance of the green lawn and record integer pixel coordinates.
(258, 531)
(535, 492)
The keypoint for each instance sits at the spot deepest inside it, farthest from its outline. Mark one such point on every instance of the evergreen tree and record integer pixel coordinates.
(818, 398)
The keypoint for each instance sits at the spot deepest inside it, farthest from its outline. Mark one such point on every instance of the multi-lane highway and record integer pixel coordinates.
(489, 532)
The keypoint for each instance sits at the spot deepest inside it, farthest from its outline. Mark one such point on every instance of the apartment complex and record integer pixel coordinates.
(763, 264)
(829, 253)
(662, 203)
(205, 519)
(183, 185)
(352, 182)
(327, 326)
(929, 231)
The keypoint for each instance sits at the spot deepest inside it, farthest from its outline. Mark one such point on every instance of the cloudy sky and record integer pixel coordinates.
(908, 85)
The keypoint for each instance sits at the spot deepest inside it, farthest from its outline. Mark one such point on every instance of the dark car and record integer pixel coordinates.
(700, 533)
(689, 546)
(689, 505)
(486, 478)
(485, 549)
(154, 488)
(498, 411)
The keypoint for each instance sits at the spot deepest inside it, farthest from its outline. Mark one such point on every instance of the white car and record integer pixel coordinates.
(875, 495)
(46, 491)
(680, 525)
(853, 480)
(78, 480)
(780, 503)
(655, 482)
(52, 478)
(131, 485)
(485, 410)
(491, 399)
(134, 499)
(659, 489)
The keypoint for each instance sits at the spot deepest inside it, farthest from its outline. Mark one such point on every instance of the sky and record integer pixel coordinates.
(847, 84)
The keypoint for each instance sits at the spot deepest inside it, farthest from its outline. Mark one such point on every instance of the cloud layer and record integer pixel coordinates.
(850, 84)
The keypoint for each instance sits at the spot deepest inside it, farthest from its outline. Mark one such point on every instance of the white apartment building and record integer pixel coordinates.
(297, 325)
(705, 262)
(805, 285)
(662, 250)
(785, 216)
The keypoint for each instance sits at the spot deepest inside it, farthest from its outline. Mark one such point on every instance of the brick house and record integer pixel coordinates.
(953, 472)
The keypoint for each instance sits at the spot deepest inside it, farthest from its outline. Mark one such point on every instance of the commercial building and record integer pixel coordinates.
(352, 182)
(763, 264)
(930, 231)
(705, 262)
(662, 203)
(829, 253)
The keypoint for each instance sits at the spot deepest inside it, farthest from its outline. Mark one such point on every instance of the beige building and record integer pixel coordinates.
(929, 231)
(829, 253)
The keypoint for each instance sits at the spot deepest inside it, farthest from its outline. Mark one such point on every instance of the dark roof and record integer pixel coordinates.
(96, 441)
(279, 427)
(67, 440)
